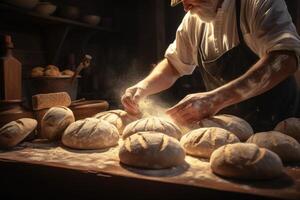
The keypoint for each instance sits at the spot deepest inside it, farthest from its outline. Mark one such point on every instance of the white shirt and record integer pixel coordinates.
(266, 26)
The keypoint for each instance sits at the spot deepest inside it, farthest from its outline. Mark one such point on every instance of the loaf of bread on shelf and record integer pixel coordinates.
(90, 134)
(154, 124)
(151, 151)
(55, 122)
(245, 161)
(235, 125)
(67, 72)
(14, 132)
(286, 147)
(52, 70)
(37, 72)
(202, 142)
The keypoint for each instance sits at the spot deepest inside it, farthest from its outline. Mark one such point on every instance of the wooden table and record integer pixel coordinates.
(40, 168)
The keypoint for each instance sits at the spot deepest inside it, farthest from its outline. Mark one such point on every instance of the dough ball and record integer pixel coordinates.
(151, 151)
(67, 72)
(245, 161)
(286, 147)
(118, 118)
(235, 125)
(202, 142)
(55, 122)
(14, 132)
(290, 127)
(154, 124)
(90, 133)
(37, 72)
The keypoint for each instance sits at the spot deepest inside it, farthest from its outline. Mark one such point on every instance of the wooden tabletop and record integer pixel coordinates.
(194, 172)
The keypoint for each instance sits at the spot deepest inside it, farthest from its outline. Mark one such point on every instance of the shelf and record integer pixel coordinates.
(50, 19)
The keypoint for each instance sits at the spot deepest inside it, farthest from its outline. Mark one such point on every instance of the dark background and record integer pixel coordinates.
(142, 30)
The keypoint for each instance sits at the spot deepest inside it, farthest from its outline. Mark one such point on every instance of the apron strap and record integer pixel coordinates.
(238, 20)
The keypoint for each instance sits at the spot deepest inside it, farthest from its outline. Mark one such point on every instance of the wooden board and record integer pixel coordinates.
(194, 173)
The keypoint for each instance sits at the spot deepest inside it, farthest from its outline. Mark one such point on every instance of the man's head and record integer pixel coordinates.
(205, 9)
(175, 2)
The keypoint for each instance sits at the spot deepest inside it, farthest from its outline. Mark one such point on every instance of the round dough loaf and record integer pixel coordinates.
(154, 124)
(235, 125)
(245, 161)
(118, 118)
(52, 73)
(90, 134)
(55, 122)
(290, 127)
(202, 142)
(52, 70)
(67, 72)
(286, 147)
(37, 72)
(151, 151)
(53, 67)
(14, 132)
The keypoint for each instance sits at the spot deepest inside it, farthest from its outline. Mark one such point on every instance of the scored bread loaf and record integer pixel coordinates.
(202, 142)
(286, 147)
(291, 127)
(55, 121)
(14, 132)
(245, 161)
(154, 124)
(151, 151)
(235, 125)
(90, 133)
(42, 101)
(118, 118)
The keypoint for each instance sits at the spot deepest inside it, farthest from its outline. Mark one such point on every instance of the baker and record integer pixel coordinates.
(247, 51)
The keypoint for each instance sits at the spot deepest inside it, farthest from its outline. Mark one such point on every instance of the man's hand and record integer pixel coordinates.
(194, 107)
(162, 77)
(131, 98)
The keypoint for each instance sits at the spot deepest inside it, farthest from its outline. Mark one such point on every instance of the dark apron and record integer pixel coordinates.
(263, 112)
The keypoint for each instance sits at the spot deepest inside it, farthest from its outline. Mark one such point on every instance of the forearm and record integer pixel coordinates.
(264, 75)
(161, 78)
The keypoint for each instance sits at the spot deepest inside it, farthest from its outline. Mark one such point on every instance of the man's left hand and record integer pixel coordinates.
(194, 107)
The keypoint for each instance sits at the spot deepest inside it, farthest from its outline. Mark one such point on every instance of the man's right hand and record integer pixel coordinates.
(131, 98)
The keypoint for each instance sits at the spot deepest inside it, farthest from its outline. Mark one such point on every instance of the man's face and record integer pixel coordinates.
(205, 9)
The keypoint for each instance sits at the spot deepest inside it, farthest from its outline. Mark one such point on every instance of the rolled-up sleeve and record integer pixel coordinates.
(272, 28)
(182, 53)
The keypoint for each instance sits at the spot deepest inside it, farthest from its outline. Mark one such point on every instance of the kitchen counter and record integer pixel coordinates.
(38, 165)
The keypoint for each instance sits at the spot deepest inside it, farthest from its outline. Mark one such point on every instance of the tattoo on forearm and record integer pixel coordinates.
(277, 63)
(260, 78)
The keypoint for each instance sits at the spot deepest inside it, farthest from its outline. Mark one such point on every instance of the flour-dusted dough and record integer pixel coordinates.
(286, 147)
(14, 132)
(118, 118)
(151, 151)
(90, 133)
(291, 127)
(55, 122)
(245, 161)
(154, 124)
(235, 125)
(202, 142)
